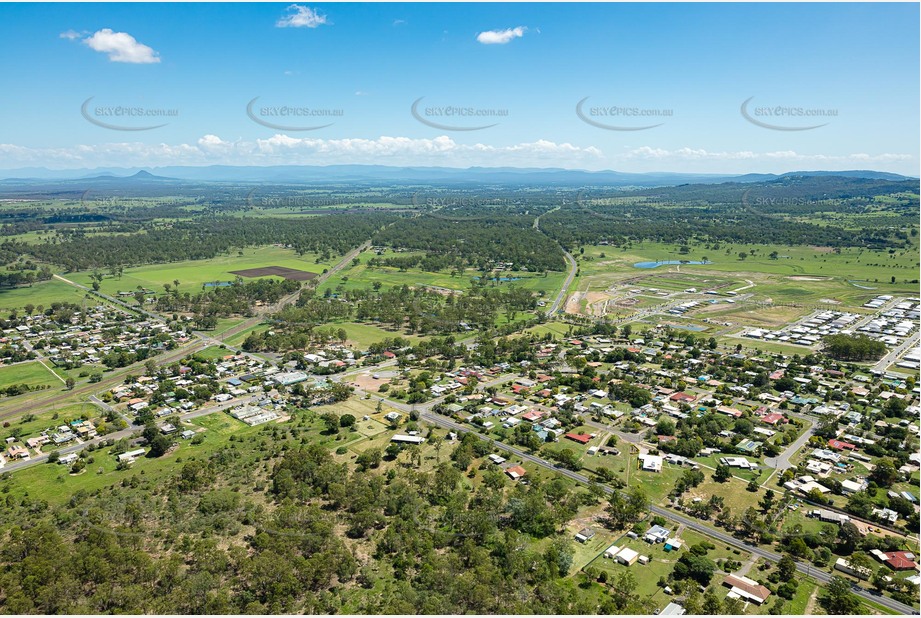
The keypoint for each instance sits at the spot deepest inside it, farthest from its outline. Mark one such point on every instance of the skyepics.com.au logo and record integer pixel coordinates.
(621, 117)
(125, 117)
(778, 206)
(292, 201)
(283, 117)
(456, 117)
(587, 203)
(90, 199)
(459, 207)
(785, 117)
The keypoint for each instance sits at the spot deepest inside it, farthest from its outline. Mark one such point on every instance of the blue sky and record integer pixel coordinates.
(687, 68)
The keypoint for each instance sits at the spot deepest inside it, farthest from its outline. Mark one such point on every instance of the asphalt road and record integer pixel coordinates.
(688, 522)
(123, 433)
(894, 354)
(444, 422)
(561, 295)
(782, 461)
(39, 403)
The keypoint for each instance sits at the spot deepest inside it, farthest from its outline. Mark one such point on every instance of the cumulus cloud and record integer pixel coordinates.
(281, 149)
(71, 35)
(119, 46)
(500, 37)
(300, 16)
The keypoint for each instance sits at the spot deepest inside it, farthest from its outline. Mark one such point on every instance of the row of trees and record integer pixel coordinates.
(204, 238)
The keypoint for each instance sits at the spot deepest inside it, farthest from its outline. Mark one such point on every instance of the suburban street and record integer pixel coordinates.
(896, 352)
(125, 433)
(688, 522)
(782, 461)
(425, 413)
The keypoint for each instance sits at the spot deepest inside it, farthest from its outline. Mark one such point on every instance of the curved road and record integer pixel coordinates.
(444, 422)
(688, 522)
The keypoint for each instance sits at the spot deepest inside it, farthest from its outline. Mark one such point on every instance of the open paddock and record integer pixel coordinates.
(193, 275)
(32, 373)
(276, 271)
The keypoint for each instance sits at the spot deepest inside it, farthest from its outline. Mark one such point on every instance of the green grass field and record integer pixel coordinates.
(830, 274)
(52, 417)
(192, 275)
(363, 335)
(213, 352)
(42, 294)
(363, 276)
(32, 373)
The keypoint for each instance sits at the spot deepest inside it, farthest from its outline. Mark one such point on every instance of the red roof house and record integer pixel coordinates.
(683, 397)
(900, 560)
(533, 415)
(581, 438)
(773, 418)
(840, 445)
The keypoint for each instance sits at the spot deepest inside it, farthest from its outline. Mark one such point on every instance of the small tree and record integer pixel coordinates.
(331, 421)
(722, 474)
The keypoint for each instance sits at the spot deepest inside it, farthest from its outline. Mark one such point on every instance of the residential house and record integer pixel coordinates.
(746, 589)
(585, 534)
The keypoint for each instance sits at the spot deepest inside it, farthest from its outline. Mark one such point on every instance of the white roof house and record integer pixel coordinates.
(627, 556)
(652, 463)
(131, 455)
(611, 551)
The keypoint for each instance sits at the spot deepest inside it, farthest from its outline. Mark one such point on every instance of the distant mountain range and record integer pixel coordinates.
(297, 174)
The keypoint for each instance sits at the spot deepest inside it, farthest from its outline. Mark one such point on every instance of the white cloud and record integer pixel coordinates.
(399, 22)
(500, 37)
(301, 17)
(120, 46)
(71, 35)
(281, 149)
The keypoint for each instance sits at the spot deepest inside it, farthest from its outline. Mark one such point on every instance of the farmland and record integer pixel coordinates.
(42, 293)
(321, 378)
(32, 374)
(192, 275)
(361, 275)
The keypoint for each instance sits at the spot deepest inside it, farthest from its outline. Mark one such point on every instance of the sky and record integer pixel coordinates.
(707, 88)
